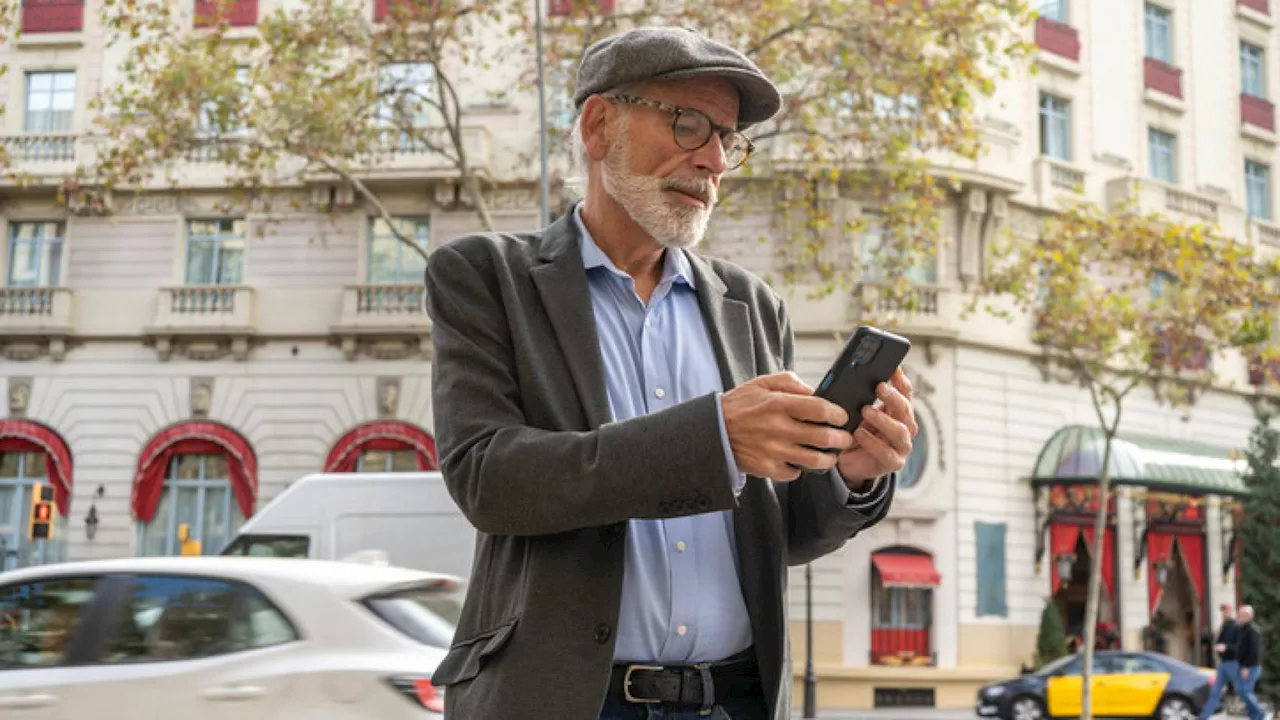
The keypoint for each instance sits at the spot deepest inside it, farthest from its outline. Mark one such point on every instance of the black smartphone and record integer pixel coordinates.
(869, 358)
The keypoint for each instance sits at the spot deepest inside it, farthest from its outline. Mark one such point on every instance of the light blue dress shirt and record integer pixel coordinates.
(681, 596)
(681, 593)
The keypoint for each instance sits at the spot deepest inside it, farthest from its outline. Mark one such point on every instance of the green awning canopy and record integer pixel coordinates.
(1074, 456)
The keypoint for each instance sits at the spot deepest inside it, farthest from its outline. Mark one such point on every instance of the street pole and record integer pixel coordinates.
(544, 180)
(810, 680)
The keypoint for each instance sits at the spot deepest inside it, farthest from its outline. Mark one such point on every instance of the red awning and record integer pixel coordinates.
(196, 437)
(906, 570)
(386, 435)
(24, 436)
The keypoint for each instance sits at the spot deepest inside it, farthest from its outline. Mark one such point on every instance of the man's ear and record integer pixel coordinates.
(595, 128)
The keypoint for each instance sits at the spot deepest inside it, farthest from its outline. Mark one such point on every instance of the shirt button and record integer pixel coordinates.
(659, 393)
(682, 630)
(680, 546)
(604, 632)
(648, 322)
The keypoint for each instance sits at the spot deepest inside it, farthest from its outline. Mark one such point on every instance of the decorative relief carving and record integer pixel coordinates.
(201, 396)
(388, 396)
(28, 349)
(202, 349)
(400, 348)
(19, 396)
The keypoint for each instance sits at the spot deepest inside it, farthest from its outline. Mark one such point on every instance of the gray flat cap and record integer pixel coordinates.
(655, 53)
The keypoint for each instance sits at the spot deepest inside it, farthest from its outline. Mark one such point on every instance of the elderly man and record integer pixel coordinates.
(617, 417)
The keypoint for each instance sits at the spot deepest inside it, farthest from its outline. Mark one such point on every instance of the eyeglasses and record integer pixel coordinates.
(692, 129)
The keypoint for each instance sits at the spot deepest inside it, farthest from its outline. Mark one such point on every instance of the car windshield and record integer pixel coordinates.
(1055, 666)
(283, 546)
(427, 613)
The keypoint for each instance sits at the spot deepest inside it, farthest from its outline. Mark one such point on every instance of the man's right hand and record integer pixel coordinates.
(771, 419)
(1220, 648)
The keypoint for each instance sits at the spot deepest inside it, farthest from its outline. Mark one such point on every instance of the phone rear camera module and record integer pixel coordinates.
(866, 350)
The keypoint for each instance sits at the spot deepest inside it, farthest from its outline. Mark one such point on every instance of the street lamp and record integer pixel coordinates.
(91, 522)
(1064, 562)
(810, 680)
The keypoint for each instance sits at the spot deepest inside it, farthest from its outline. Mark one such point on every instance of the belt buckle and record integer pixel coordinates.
(626, 683)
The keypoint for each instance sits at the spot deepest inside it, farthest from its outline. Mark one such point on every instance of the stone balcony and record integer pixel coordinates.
(44, 156)
(385, 322)
(1055, 180)
(925, 314)
(203, 322)
(35, 321)
(1153, 196)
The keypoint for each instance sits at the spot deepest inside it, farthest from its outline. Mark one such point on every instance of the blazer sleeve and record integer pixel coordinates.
(820, 516)
(510, 478)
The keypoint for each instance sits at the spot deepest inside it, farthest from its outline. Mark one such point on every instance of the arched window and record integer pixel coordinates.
(902, 586)
(31, 454)
(201, 475)
(383, 446)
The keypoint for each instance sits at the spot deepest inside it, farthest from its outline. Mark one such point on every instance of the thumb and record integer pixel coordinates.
(787, 382)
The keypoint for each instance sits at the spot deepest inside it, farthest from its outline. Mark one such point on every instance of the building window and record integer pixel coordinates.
(35, 254)
(215, 252)
(391, 262)
(20, 472)
(1162, 156)
(901, 610)
(1257, 189)
(51, 102)
(1055, 127)
(1253, 80)
(922, 271)
(406, 99)
(388, 461)
(1055, 10)
(208, 121)
(197, 493)
(1159, 26)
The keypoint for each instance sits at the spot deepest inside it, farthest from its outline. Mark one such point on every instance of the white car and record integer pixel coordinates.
(210, 638)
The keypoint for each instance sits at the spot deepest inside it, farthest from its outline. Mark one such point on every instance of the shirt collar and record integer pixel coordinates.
(675, 264)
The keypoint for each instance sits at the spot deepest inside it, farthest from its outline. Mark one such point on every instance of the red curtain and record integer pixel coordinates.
(1192, 549)
(384, 435)
(194, 438)
(1108, 557)
(1062, 539)
(25, 436)
(1159, 548)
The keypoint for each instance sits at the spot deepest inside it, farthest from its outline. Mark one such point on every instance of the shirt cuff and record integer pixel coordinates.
(737, 480)
(870, 498)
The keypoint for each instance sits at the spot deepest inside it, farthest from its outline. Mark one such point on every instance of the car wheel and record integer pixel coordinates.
(1176, 708)
(1026, 708)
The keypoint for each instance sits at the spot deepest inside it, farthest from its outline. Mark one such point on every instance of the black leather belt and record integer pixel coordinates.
(703, 686)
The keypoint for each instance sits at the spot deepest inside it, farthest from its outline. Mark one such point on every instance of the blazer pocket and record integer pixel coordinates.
(465, 657)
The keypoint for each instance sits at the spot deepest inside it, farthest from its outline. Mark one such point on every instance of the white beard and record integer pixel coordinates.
(671, 224)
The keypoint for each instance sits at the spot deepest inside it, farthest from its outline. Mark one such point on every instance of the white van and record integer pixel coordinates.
(407, 518)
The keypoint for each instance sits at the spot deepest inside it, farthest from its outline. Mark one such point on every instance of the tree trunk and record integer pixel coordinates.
(1095, 581)
(472, 187)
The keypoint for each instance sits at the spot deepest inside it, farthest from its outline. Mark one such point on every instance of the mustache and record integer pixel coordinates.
(702, 189)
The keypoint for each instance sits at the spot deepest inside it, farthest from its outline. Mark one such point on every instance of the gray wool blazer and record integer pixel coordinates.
(530, 454)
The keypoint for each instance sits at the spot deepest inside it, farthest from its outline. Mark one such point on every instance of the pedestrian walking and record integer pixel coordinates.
(616, 416)
(1228, 668)
(1249, 654)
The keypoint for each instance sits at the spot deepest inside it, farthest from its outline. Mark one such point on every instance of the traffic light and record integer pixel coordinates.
(41, 526)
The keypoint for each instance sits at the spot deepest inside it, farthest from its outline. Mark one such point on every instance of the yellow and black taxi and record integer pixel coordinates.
(1124, 684)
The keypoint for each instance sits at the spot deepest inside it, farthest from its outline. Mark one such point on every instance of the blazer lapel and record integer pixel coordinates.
(562, 284)
(729, 323)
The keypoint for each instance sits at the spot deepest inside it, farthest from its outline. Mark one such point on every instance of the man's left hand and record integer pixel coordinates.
(882, 443)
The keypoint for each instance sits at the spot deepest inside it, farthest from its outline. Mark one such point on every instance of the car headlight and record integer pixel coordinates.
(993, 692)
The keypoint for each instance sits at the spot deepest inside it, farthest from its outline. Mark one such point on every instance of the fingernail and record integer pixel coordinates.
(868, 412)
